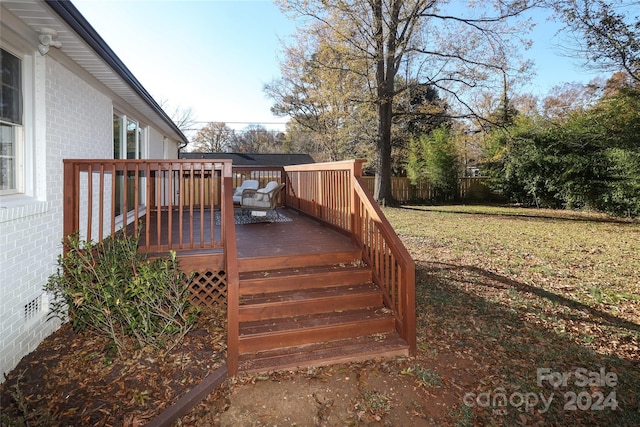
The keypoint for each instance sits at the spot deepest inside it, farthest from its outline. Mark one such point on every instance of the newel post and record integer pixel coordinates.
(70, 220)
(356, 172)
(231, 264)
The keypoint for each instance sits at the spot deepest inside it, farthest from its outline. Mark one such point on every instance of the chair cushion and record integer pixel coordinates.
(246, 184)
(262, 192)
(269, 187)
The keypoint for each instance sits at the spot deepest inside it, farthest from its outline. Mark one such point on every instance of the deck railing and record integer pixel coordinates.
(152, 197)
(336, 193)
(323, 190)
(263, 174)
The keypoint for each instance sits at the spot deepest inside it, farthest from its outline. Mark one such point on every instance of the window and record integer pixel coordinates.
(133, 140)
(128, 138)
(10, 122)
(128, 143)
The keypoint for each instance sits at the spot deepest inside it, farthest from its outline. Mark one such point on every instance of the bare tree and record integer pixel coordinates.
(215, 137)
(182, 117)
(606, 33)
(256, 138)
(321, 96)
(449, 47)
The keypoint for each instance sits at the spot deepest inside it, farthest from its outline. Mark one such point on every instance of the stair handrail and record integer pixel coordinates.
(335, 193)
(393, 270)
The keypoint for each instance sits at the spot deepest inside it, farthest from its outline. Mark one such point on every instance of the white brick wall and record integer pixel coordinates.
(79, 122)
(26, 262)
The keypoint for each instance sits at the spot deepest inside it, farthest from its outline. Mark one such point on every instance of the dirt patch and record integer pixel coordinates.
(379, 393)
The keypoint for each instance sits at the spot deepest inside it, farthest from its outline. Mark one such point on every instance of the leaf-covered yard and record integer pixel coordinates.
(510, 302)
(530, 295)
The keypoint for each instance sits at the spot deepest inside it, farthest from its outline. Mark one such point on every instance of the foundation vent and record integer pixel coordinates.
(32, 308)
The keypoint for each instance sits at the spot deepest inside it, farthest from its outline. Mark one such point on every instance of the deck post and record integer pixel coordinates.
(356, 172)
(228, 231)
(409, 303)
(71, 221)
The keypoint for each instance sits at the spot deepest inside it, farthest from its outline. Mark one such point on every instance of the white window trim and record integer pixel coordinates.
(18, 155)
(142, 136)
(143, 141)
(31, 188)
(142, 145)
(19, 138)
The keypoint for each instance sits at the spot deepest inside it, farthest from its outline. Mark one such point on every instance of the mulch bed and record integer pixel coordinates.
(76, 379)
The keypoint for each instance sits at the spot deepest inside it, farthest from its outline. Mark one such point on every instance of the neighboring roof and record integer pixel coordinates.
(254, 159)
(82, 43)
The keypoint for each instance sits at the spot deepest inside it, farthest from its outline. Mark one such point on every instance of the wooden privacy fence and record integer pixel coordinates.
(470, 188)
(335, 193)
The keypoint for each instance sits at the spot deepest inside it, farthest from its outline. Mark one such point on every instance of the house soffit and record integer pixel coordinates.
(36, 15)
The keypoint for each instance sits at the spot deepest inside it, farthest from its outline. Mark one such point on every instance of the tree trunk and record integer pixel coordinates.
(382, 192)
(385, 75)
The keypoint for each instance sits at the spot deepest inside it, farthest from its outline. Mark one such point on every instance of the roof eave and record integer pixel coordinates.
(68, 12)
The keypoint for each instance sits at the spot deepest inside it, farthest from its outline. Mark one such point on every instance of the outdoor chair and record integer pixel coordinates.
(264, 199)
(247, 184)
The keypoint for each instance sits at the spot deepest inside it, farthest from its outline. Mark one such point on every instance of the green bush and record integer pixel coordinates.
(115, 291)
(434, 156)
(588, 160)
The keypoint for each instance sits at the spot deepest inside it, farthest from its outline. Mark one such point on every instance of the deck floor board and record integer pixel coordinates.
(300, 236)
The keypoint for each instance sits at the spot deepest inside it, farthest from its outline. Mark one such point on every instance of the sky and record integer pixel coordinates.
(215, 56)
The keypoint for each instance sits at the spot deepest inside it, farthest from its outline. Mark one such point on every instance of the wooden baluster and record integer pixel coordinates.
(181, 206)
(101, 206)
(89, 201)
(136, 197)
(147, 222)
(158, 193)
(169, 199)
(202, 202)
(114, 184)
(192, 180)
(125, 202)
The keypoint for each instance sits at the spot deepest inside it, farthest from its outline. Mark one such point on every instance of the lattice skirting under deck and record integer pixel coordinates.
(208, 288)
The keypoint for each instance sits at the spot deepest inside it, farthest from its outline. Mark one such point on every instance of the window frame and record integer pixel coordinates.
(140, 134)
(18, 128)
(121, 130)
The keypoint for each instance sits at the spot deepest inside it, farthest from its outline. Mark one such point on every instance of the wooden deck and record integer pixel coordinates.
(333, 284)
(260, 244)
(267, 244)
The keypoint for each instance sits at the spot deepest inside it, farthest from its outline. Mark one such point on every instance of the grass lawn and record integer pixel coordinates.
(533, 298)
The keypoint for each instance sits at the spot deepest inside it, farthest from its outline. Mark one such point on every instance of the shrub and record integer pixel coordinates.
(434, 156)
(111, 289)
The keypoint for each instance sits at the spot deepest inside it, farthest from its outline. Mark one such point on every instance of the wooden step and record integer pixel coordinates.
(321, 354)
(298, 302)
(297, 278)
(314, 328)
(267, 262)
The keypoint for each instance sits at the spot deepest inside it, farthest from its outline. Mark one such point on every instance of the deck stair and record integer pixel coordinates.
(307, 314)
